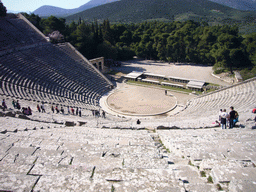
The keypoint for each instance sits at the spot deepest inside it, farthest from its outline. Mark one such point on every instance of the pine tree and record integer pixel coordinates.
(107, 35)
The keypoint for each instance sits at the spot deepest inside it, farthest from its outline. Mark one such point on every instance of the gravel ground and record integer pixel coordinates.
(199, 72)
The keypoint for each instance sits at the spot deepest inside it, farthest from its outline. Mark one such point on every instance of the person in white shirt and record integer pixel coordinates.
(220, 114)
(223, 119)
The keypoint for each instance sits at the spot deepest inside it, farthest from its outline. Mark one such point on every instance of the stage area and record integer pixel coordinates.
(141, 101)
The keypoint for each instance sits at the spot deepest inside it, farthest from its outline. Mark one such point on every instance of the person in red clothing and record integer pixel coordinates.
(72, 110)
(254, 111)
(38, 108)
(56, 109)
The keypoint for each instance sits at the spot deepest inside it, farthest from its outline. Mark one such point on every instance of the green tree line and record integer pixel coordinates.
(193, 42)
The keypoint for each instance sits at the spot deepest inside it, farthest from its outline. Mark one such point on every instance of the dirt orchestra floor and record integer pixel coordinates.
(138, 100)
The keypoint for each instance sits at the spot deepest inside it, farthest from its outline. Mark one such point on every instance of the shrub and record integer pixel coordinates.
(190, 163)
(218, 71)
(219, 187)
(209, 179)
(112, 188)
(203, 174)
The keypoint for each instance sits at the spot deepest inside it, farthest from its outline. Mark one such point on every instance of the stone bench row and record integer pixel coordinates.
(53, 52)
(40, 68)
(240, 97)
(23, 27)
(6, 41)
(49, 81)
(65, 67)
(33, 95)
(217, 153)
(31, 92)
(14, 33)
(65, 48)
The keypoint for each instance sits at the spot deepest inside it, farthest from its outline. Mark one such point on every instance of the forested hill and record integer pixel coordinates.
(169, 10)
(47, 10)
(238, 4)
(191, 42)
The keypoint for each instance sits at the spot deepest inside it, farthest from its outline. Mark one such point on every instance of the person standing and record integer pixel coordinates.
(4, 105)
(220, 112)
(77, 111)
(38, 108)
(232, 116)
(223, 119)
(42, 107)
(14, 103)
(52, 109)
(254, 111)
(103, 114)
(18, 105)
(80, 112)
(57, 110)
(29, 111)
(62, 110)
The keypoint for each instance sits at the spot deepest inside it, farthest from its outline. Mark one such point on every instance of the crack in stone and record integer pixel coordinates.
(35, 150)
(62, 159)
(39, 176)
(9, 148)
(4, 156)
(15, 158)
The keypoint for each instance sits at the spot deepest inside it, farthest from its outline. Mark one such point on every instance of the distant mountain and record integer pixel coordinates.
(11, 11)
(238, 4)
(167, 10)
(48, 10)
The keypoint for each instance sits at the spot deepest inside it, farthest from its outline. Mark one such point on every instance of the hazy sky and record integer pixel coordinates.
(32, 5)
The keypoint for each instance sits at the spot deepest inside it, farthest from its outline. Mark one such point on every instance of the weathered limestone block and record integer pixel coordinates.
(10, 114)
(70, 123)
(81, 123)
(23, 117)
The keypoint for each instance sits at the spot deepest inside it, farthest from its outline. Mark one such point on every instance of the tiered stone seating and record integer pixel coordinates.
(39, 71)
(24, 28)
(16, 32)
(241, 96)
(68, 50)
(227, 156)
(34, 155)
(6, 40)
(49, 157)
(60, 75)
